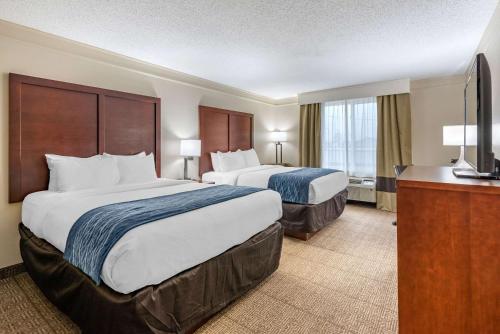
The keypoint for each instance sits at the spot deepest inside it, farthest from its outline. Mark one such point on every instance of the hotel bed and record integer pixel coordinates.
(168, 275)
(320, 189)
(312, 197)
(173, 253)
(153, 252)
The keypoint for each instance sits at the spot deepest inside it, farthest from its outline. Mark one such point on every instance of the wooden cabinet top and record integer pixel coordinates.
(443, 178)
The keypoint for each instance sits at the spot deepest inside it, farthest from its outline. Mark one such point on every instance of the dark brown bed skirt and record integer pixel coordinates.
(303, 220)
(178, 305)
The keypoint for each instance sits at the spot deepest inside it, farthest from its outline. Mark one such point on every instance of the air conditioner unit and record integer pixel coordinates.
(362, 189)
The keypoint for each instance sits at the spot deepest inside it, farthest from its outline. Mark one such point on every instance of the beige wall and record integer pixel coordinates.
(434, 103)
(179, 114)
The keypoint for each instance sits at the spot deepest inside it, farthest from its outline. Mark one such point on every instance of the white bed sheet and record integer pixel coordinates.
(154, 252)
(320, 190)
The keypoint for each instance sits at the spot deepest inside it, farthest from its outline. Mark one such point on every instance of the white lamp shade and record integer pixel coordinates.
(453, 135)
(278, 136)
(190, 147)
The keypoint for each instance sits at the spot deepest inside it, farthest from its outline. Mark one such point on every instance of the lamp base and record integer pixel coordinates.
(281, 153)
(461, 163)
(186, 167)
(463, 169)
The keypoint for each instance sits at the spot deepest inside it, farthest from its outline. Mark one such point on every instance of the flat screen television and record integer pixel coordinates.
(478, 114)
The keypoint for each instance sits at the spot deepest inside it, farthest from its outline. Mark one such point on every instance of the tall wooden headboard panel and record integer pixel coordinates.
(223, 130)
(47, 116)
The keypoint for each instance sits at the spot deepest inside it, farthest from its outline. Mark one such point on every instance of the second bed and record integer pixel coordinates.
(327, 196)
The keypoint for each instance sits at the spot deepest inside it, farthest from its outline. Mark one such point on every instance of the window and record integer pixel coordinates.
(349, 136)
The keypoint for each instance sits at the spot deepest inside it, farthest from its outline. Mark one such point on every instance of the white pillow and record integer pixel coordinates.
(52, 174)
(215, 162)
(251, 158)
(122, 159)
(136, 168)
(76, 174)
(231, 161)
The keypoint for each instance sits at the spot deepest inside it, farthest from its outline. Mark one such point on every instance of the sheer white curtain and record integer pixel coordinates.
(349, 136)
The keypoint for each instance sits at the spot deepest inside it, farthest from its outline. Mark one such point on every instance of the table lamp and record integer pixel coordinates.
(454, 135)
(278, 137)
(190, 148)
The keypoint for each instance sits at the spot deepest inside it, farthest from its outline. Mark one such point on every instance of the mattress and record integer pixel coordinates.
(154, 252)
(320, 189)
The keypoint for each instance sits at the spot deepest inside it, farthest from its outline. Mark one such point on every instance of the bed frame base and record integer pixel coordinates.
(180, 304)
(302, 221)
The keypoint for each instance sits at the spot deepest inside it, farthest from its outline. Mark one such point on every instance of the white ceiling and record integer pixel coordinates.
(275, 48)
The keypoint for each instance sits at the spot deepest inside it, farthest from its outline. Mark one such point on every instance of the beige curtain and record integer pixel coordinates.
(393, 145)
(310, 135)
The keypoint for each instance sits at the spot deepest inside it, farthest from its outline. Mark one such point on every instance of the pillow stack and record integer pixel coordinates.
(73, 173)
(251, 158)
(230, 161)
(135, 168)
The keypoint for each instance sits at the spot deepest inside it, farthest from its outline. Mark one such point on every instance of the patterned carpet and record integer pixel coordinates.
(343, 280)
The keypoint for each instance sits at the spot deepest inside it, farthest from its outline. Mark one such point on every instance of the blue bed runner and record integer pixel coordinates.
(98, 230)
(294, 186)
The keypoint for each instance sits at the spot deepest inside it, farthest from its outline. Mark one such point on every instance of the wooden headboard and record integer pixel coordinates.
(223, 130)
(47, 116)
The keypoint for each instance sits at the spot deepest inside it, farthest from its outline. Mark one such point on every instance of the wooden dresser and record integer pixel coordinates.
(448, 252)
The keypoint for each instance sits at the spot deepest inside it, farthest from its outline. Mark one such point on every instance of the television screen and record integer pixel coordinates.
(478, 116)
(496, 124)
(471, 114)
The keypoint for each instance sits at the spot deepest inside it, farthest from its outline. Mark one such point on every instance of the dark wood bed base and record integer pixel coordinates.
(303, 221)
(47, 116)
